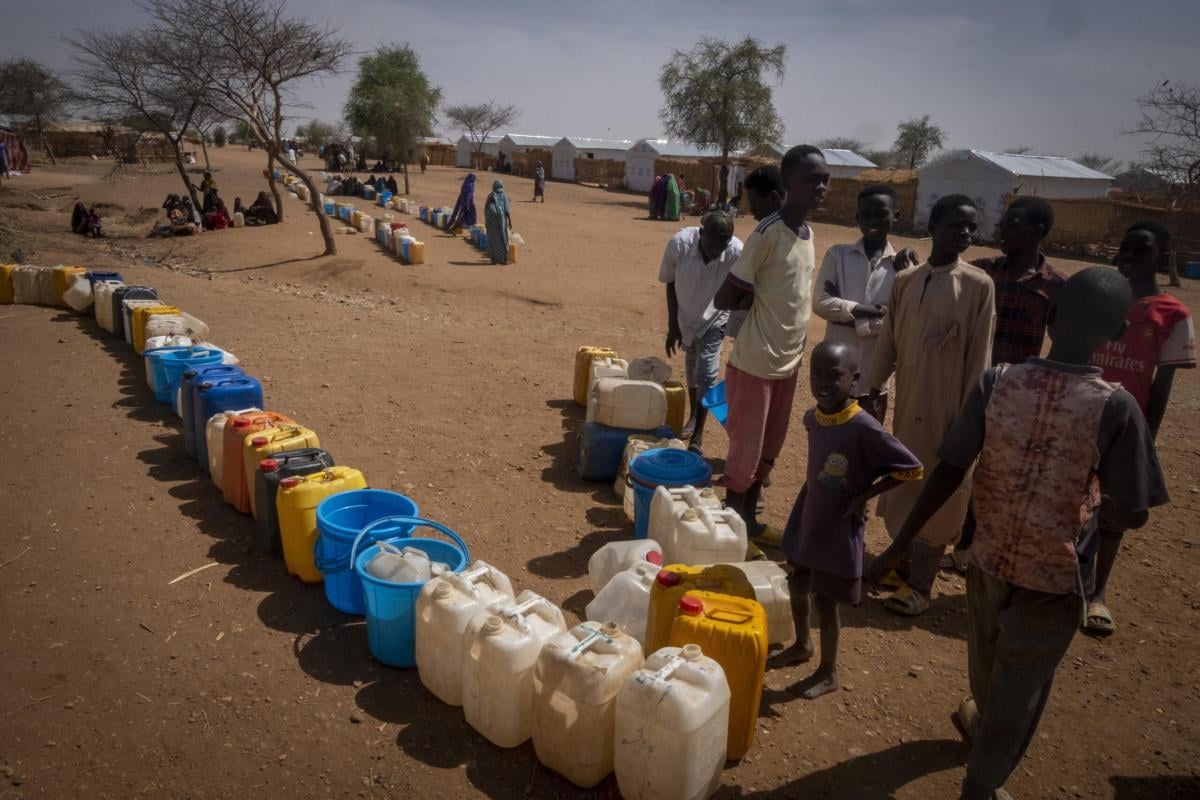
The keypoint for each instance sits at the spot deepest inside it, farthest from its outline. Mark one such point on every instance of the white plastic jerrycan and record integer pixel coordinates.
(445, 607)
(606, 367)
(625, 600)
(667, 504)
(769, 581)
(617, 557)
(706, 536)
(400, 565)
(649, 368)
(624, 403)
(575, 686)
(214, 437)
(672, 726)
(500, 649)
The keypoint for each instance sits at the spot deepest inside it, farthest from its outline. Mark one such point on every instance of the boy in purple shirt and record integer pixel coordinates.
(850, 460)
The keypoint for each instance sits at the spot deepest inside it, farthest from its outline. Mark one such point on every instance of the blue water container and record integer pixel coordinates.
(482, 240)
(404, 251)
(330, 208)
(155, 373)
(600, 449)
(384, 197)
(1192, 270)
(342, 520)
(212, 396)
(191, 379)
(424, 214)
(177, 362)
(97, 277)
(716, 403)
(368, 192)
(343, 213)
(664, 466)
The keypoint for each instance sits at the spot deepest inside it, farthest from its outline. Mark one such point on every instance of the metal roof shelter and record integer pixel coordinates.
(569, 148)
(639, 159)
(466, 147)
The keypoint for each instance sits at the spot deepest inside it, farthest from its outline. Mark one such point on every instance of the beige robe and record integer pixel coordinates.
(937, 340)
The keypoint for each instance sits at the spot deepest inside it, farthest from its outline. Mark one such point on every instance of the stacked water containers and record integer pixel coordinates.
(617, 408)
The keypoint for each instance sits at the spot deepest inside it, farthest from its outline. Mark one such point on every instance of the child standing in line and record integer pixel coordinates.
(851, 459)
(1055, 447)
(1159, 340)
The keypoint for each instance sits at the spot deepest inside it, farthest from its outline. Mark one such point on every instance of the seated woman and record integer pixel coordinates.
(218, 219)
(392, 186)
(184, 219)
(262, 211)
(85, 221)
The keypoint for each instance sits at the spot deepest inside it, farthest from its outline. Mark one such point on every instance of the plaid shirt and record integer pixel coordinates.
(1022, 303)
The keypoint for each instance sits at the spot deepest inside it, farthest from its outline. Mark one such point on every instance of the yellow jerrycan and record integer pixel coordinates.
(676, 580)
(267, 443)
(6, 286)
(63, 278)
(296, 504)
(733, 632)
(583, 370)
(676, 405)
(141, 315)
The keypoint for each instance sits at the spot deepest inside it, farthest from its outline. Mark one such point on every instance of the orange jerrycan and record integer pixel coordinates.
(733, 632)
(296, 504)
(63, 277)
(233, 470)
(676, 580)
(676, 405)
(141, 315)
(583, 370)
(264, 445)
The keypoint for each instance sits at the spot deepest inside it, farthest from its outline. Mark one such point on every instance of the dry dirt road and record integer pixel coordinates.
(449, 382)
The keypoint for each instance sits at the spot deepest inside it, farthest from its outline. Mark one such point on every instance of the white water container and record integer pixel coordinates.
(625, 599)
(667, 504)
(499, 652)
(407, 565)
(617, 557)
(625, 403)
(672, 727)
(638, 443)
(214, 437)
(575, 685)
(706, 536)
(606, 368)
(771, 591)
(649, 368)
(79, 296)
(445, 607)
(168, 340)
(239, 219)
(46, 296)
(159, 325)
(25, 285)
(104, 292)
(127, 307)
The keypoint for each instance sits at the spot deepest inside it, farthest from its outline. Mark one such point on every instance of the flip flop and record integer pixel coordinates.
(967, 719)
(954, 562)
(768, 535)
(893, 580)
(906, 602)
(1098, 621)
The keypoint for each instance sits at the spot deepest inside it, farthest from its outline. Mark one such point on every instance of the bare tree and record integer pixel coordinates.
(256, 56)
(1170, 124)
(916, 139)
(1099, 162)
(31, 91)
(481, 120)
(133, 74)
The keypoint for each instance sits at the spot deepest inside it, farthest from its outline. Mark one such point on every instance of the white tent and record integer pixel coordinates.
(524, 142)
(491, 146)
(639, 160)
(569, 148)
(991, 178)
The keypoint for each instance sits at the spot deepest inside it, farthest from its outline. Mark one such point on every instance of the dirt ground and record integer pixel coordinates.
(450, 382)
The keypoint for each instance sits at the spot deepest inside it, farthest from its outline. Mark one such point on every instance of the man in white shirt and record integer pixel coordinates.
(694, 267)
(855, 281)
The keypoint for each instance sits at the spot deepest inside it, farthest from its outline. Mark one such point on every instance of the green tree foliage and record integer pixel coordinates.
(717, 95)
(916, 139)
(393, 102)
(316, 133)
(219, 136)
(32, 92)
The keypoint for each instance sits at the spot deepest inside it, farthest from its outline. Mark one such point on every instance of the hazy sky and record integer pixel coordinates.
(1060, 75)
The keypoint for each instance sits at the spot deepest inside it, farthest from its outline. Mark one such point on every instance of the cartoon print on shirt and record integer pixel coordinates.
(832, 477)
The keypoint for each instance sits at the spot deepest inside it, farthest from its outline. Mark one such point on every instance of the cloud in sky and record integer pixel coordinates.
(1058, 75)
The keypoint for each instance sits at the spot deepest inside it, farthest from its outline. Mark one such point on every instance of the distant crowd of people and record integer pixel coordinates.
(351, 185)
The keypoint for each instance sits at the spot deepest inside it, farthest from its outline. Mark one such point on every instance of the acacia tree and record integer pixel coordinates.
(1170, 124)
(316, 133)
(481, 120)
(134, 75)
(393, 101)
(916, 139)
(257, 55)
(843, 143)
(716, 96)
(30, 91)
(1100, 162)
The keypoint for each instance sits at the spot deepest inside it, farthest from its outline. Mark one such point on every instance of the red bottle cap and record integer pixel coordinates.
(259, 441)
(654, 557)
(241, 422)
(288, 483)
(668, 578)
(690, 606)
(268, 465)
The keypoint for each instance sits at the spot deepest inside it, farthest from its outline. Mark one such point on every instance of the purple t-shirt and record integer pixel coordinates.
(847, 452)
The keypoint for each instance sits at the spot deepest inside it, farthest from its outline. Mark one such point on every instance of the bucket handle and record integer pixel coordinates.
(331, 566)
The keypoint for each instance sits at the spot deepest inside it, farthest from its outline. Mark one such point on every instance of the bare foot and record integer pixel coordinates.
(815, 685)
(791, 656)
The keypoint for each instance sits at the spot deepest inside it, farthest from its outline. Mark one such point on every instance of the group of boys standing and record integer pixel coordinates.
(1031, 468)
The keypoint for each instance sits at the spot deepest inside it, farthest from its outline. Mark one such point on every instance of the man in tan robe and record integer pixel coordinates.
(936, 339)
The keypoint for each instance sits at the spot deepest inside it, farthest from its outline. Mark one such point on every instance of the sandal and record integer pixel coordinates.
(967, 719)
(1099, 621)
(768, 535)
(906, 602)
(954, 562)
(893, 580)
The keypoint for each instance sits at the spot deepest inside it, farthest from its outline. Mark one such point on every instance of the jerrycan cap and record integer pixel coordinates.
(241, 422)
(268, 465)
(691, 652)
(690, 515)
(708, 491)
(289, 483)
(690, 606)
(442, 590)
(668, 578)
(493, 625)
(610, 629)
(259, 441)
(654, 557)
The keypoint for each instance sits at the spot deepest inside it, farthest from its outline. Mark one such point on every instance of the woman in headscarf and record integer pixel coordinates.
(671, 206)
(539, 182)
(392, 186)
(262, 211)
(497, 211)
(85, 221)
(218, 219)
(464, 215)
(658, 197)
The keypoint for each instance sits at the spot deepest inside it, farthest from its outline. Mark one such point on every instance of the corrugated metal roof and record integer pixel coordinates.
(491, 138)
(680, 149)
(846, 158)
(1028, 166)
(586, 143)
(532, 140)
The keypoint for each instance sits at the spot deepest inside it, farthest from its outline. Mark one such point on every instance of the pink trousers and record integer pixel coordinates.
(759, 413)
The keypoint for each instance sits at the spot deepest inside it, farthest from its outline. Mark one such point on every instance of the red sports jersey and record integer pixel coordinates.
(1160, 334)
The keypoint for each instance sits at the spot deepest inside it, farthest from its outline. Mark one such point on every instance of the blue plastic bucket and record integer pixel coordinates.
(341, 520)
(156, 373)
(330, 208)
(391, 608)
(1192, 270)
(175, 362)
(384, 197)
(663, 466)
(716, 403)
